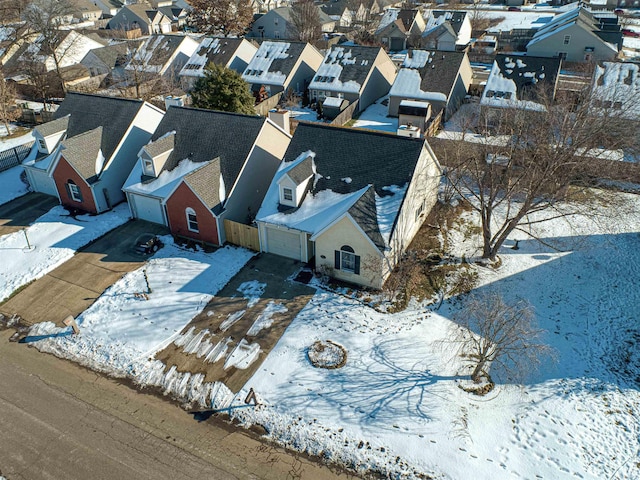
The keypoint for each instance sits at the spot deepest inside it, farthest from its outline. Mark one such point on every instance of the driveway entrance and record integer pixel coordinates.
(23, 211)
(72, 287)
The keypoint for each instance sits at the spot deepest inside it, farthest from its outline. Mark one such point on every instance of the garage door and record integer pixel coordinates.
(282, 242)
(43, 183)
(149, 209)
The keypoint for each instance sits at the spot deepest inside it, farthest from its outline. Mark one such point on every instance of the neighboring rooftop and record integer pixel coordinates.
(345, 68)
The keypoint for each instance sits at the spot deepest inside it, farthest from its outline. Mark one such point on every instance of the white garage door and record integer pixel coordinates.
(149, 209)
(42, 183)
(282, 242)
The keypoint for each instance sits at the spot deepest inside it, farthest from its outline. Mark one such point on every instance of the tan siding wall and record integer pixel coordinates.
(345, 233)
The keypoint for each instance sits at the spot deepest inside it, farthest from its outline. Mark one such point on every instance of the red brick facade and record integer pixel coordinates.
(61, 175)
(177, 204)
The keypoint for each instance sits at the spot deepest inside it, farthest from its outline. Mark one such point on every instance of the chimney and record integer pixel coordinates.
(280, 118)
(171, 101)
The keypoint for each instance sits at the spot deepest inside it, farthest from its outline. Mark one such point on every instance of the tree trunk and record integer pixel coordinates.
(475, 376)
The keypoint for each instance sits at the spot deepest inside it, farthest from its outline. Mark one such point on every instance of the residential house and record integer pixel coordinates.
(516, 81)
(178, 15)
(281, 66)
(69, 50)
(107, 61)
(459, 21)
(202, 167)
(163, 55)
(86, 10)
(277, 24)
(440, 37)
(109, 7)
(264, 6)
(578, 36)
(84, 155)
(400, 28)
(350, 13)
(140, 16)
(355, 73)
(441, 78)
(233, 53)
(616, 90)
(348, 201)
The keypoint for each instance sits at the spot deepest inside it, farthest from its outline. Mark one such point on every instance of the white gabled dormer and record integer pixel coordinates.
(48, 135)
(293, 184)
(154, 155)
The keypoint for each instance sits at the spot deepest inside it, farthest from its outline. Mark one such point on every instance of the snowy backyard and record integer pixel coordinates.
(396, 405)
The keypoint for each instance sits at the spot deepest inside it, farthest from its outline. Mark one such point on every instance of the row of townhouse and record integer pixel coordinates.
(345, 200)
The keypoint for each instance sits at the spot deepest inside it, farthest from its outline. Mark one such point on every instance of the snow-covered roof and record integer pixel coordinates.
(335, 102)
(162, 186)
(513, 78)
(428, 75)
(156, 52)
(345, 69)
(218, 50)
(414, 103)
(273, 62)
(616, 87)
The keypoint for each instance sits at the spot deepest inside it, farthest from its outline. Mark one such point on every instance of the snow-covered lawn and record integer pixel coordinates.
(53, 238)
(375, 118)
(396, 406)
(8, 143)
(11, 186)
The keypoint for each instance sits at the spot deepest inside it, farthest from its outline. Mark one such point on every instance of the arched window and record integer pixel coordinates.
(192, 220)
(74, 191)
(347, 260)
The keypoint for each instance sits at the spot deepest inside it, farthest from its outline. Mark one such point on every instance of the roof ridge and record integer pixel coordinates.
(361, 131)
(235, 114)
(93, 95)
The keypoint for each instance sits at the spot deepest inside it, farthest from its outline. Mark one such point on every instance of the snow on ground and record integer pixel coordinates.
(396, 406)
(11, 186)
(53, 239)
(9, 143)
(375, 118)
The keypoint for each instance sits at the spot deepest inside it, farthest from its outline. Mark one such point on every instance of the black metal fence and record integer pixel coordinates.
(13, 156)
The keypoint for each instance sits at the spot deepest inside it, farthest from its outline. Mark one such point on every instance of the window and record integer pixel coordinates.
(74, 191)
(192, 220)
(567, 39)
(419, 210)
(562, 55)
(42, 144)
(490, 93)
(287, 194)
(147, 165)
(347, 260)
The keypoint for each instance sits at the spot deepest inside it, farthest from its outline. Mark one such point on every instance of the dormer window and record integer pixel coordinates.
(287, 194)
(42, 145)
(147, 166)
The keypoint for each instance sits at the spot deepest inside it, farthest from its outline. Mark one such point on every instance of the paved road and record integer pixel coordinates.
(58, 421)
(23, 211)
(72, 287)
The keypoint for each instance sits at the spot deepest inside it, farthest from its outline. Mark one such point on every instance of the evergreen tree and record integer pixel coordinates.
(223, 89)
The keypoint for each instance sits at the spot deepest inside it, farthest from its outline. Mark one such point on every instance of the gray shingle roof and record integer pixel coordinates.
(112, 55)
(367, 158)
(439, 75)
(365, 215)
(54, 126)
(302, 171)
(161, 47)
(160, 146)
(202, 135)
(205, 182)
(81, 151)
(91, 111)
(360, 62)
(525, 71)
(220, 51)
(455, 18)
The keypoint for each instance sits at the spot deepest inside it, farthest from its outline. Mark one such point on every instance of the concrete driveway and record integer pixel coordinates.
(75, 285)
(272, 271)
(23, 211)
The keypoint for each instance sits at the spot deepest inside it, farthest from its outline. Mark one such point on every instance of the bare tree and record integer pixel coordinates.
(8, 110)
(226, 17)
(46, 17)
(11, 10)
(305, 17)
(533, 160)
(491, 334)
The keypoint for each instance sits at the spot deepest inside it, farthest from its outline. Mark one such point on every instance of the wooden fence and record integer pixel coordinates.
(345, 115)
(434, 125)
(242, 235)
(12, 157)
(269, 104)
